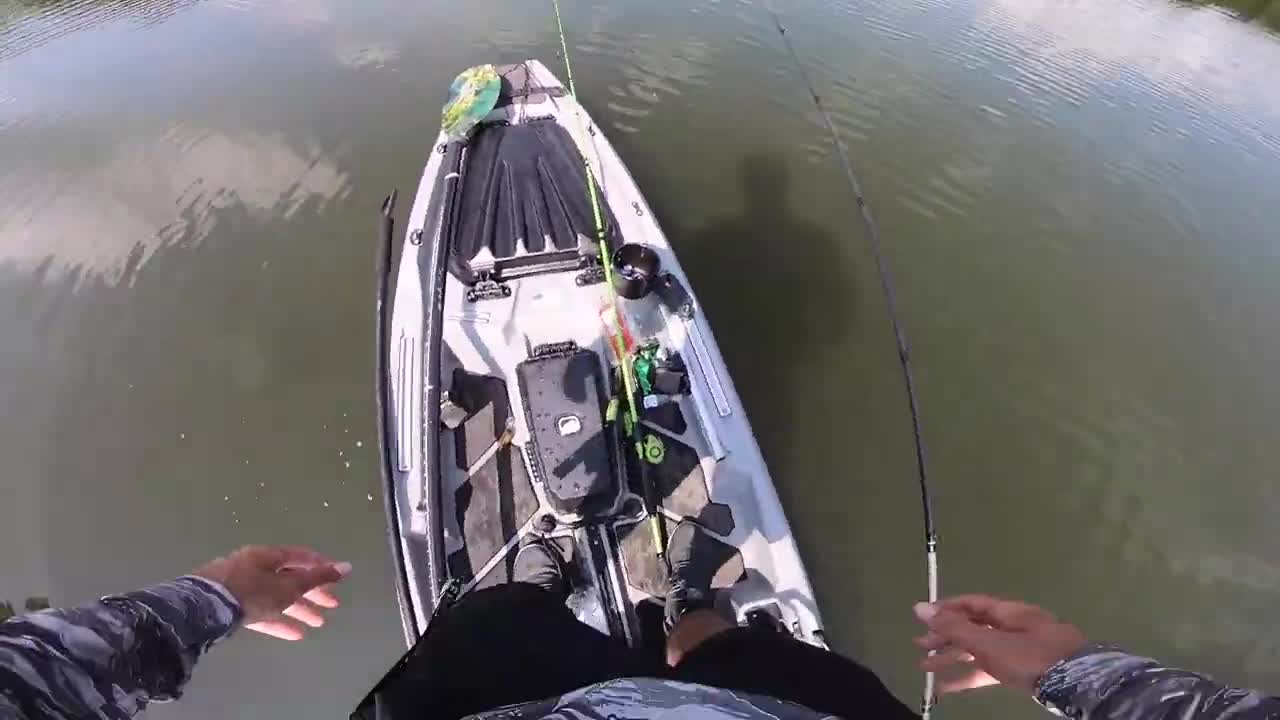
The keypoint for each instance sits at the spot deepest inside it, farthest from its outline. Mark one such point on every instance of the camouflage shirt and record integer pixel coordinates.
(1106, 683)
(110, 658)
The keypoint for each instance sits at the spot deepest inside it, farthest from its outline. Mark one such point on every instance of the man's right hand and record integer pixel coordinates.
(998, 641)
(271, 581)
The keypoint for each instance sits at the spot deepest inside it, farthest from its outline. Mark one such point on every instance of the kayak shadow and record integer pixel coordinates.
(778, 299)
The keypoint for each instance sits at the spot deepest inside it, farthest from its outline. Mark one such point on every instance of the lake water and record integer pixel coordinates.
(1079, 200)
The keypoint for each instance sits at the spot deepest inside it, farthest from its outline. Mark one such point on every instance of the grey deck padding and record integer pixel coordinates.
(525, 183)
(492, 505)
(485, 398)
(682, 486)
(500, 573)
(645, 573)
(491, 508)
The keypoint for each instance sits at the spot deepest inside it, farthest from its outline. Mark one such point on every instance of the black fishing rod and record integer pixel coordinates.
(899, 334)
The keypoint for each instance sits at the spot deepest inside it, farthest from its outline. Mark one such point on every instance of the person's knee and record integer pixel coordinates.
(691, 631)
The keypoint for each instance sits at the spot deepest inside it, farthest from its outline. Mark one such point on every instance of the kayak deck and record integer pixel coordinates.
(529, 437)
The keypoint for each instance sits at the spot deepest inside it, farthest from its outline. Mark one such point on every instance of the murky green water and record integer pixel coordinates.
(1079, 200)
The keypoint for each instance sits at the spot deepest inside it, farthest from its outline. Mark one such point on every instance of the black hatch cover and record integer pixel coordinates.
(564, 404)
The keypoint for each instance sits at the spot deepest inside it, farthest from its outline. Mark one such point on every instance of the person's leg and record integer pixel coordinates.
(693, 629)
(769, 662)
(707, 649)
(507, 644)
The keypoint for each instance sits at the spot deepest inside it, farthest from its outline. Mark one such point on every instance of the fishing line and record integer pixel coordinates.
(619, 343)
(899, 334)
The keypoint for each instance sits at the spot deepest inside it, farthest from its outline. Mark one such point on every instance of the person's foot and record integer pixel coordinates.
(693, 565)
(539, 562)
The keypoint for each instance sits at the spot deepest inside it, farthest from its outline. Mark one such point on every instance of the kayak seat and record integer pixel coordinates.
(523, 205)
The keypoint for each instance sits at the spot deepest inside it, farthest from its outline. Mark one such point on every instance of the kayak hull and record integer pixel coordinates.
(502, 412)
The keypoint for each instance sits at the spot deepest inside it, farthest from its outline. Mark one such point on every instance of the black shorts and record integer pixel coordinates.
(518, 643)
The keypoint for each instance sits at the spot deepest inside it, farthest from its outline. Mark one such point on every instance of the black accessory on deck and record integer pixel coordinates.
(673, 295)
(667, 381)
(668, 416)
(564, 408)
(635, 267)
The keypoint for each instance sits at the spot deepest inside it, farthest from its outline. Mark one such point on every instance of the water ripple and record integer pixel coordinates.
(651, 69)
(27, 25)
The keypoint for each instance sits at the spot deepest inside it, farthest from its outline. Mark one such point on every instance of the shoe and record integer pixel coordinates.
(693, 565)
(539, 563)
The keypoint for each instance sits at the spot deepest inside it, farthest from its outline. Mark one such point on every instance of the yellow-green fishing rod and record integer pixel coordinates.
(618, 343)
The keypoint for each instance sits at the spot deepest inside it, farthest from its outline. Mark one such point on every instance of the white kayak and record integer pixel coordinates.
(503, 405)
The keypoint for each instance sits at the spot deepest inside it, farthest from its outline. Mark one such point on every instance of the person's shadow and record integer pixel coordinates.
(779, 296)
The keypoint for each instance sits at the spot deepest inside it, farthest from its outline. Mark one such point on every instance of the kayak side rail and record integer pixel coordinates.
(434, 273)
(382, 370)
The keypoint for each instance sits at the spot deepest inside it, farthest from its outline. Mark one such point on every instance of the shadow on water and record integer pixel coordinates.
(770, 282)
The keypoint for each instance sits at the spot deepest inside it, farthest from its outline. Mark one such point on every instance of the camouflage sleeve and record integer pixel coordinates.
(1103, 683)
(110, 658)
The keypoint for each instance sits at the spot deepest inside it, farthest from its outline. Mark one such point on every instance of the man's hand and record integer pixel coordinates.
(1000, 641)
(270, 581)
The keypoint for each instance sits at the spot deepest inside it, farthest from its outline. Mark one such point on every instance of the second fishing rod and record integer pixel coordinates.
(899, 334)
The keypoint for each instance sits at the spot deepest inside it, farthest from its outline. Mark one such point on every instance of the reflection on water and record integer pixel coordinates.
(1174, 59)
(108, 217)
(1077, 201)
